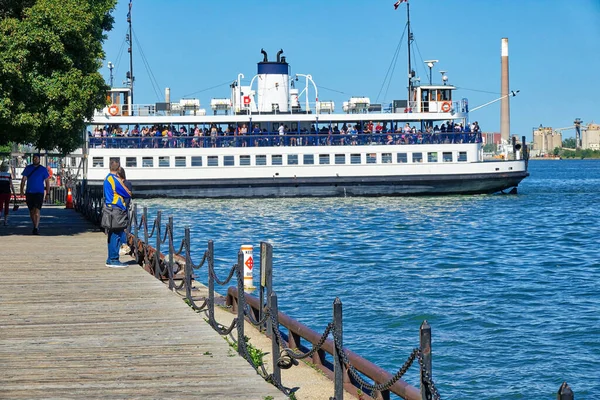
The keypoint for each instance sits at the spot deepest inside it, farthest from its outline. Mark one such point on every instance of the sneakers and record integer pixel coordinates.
(35, 231)
(116, 264)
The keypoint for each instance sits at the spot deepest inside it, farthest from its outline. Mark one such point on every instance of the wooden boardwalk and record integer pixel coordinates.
(72, 328)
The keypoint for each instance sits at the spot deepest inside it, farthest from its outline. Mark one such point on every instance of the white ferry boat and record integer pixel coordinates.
(268, 139)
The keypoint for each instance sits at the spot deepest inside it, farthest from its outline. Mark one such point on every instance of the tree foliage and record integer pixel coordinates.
(50, 56)
(569, 143)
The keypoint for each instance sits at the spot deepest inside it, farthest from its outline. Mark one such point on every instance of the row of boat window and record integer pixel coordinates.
(283, 159)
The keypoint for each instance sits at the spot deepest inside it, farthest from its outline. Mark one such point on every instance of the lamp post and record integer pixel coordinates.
(430, 64)
(444, 77)
(110, 68)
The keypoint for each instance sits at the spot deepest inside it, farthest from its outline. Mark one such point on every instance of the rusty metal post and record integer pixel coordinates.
(274, 342)
(338, 365)
(157, 252)
(425, 343)
(171, 250)
(241, 303)
(266, 279)
(565, 392)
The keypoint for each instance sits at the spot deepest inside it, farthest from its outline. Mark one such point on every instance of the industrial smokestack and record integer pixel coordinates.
(504, 105)
(167, 95)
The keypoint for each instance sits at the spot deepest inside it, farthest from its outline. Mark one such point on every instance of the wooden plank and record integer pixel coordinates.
(72, 328)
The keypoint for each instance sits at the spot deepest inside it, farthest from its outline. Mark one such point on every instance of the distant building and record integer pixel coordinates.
(491, 137)
(590, 137)
(545, 140)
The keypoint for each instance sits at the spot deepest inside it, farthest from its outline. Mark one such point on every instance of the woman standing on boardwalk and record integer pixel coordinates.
(6, 186)
(124, 246)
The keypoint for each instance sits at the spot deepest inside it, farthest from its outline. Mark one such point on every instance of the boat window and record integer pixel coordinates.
(228, 161)
(462, 156)
(432, 157)
(196, 161)
(131, 162)
(401, 158)
(164, 161)
(386, 158)
(148, 162)
(244, 160)
(446, 94)
(417, 157)
(261, 160)
(180, 161)
(309, 159)
(340, 159)
(292, 159)
(323, 159)
(447, 156)
(213, 161)
(277, 159)
(98, 162)
(354, 158)
(371, 158)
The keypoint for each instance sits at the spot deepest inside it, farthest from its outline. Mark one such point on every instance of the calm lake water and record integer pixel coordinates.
(509, 284)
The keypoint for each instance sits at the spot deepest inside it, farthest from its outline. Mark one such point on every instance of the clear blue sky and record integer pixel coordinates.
(348, 46)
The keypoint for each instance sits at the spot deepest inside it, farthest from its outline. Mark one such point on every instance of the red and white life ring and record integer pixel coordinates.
(246, 100)
(113, 110)
(446, 106)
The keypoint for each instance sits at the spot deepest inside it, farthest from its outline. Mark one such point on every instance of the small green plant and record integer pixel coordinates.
(256, 354)
(208, 353)
(268, 398)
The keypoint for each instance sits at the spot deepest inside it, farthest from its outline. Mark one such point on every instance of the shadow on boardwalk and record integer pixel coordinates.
(56, 221)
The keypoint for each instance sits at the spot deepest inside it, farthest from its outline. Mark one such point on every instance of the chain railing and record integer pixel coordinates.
(177, 269)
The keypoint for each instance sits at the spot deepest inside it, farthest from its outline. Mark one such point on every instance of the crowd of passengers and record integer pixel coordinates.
(348, 134)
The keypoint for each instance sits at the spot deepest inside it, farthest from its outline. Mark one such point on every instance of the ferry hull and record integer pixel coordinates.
(329, 186)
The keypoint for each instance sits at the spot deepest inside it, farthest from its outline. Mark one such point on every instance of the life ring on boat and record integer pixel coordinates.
(113, 109)
(446, 106)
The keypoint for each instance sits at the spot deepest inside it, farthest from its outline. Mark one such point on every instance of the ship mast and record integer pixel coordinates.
(410, 40)
(130, 78)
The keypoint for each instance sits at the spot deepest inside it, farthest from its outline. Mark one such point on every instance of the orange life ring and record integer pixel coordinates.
(446, 106)
(113, 109)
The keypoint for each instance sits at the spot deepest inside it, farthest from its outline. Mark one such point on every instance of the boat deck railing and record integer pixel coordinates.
(272, 140)
(321, 108)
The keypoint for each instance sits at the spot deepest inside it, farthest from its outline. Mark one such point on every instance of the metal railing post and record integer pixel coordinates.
(211, 281)
(241, 304)
(145, 216)
(565, 392)
(274, 342)
(188, 265)
(171, 250)
(338, 366)
(425, 344)
(266, 277)
(157, 248)
(136, 231)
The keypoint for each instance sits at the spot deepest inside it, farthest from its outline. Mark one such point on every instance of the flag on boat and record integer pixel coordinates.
(398, 3)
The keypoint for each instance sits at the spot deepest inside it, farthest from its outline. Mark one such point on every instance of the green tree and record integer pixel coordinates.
(569, 143)
(489, 148)
(50, 56)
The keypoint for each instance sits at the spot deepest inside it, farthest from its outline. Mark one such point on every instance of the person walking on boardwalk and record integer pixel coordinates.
(115, 194)
(124, 247)
(37, 178)
(6, 187)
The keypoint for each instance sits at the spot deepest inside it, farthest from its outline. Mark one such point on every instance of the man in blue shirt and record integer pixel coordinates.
(115, 195)
(38, 180)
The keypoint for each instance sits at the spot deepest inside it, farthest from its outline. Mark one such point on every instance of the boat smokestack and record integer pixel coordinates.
(279, 53)
(168, 95)
(504, 83)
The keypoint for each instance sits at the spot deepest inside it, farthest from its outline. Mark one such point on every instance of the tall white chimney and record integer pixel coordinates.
(167, 95)
(504, 105)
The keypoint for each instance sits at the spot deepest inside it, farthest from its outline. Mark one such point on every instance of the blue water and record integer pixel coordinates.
(509, 284)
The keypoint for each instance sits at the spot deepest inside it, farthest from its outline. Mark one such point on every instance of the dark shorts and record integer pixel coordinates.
(34, 200)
